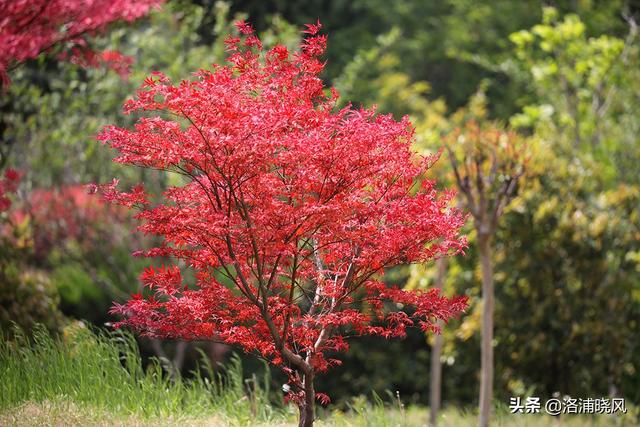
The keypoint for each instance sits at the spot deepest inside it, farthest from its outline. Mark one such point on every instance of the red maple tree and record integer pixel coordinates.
(31, 27)
(289, 212)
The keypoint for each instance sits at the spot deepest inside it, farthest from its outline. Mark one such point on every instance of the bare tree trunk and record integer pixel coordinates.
(486, 348)
(435, 380)
(307, 413)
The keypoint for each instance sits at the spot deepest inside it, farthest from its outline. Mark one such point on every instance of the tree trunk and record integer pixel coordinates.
(435, 380)
(486, 349)
(306, 408)
(178, 357)
(216, 353)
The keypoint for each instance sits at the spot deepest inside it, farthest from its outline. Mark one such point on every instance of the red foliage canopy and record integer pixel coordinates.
(290, 211)
(30, 27)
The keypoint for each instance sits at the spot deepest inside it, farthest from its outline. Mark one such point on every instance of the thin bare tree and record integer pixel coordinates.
(487, 162)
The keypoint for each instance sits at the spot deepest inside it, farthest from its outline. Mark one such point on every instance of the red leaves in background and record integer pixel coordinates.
(66, 214)
(31, 27)
(111, 59)
(8, 185)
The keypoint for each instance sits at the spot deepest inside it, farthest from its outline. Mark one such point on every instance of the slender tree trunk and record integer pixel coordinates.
(435, 381)
(486, 349)
(178, 357)
(307, 412)
(217, 352)
(173, 367)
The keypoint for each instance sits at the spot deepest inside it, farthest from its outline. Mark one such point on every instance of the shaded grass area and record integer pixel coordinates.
(96, 378)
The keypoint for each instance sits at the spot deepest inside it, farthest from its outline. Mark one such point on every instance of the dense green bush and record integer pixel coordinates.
(27, 298)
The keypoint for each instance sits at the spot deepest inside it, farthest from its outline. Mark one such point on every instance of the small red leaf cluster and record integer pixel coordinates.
(289, 212)
(8, 185)
(88, 58)
(30, 27)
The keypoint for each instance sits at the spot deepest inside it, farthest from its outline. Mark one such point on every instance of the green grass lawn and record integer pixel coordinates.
(97, 379)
